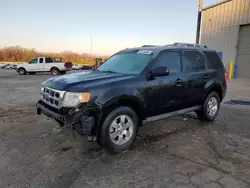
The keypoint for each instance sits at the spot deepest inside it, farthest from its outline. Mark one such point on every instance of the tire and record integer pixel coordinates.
(62, 72)
(22, 71)
(54, 71)
(32, 73)
(119, 130)
(210, 108)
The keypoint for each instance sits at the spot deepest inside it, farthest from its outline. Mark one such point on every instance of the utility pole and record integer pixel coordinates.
(198, 29)
(91, 45)
(91, 51)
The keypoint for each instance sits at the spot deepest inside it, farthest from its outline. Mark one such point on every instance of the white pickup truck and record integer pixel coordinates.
(44, 64)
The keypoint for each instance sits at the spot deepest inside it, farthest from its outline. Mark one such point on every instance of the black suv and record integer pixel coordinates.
(133, 87)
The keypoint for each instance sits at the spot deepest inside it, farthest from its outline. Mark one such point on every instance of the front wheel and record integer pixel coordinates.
(21, 71)
(119, 130)
(210, 108)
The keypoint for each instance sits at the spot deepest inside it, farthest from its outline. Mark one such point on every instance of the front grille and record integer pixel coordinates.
(52, 97)
(49, 107)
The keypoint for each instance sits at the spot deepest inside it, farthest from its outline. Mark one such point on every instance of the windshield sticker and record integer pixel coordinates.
(147, 52)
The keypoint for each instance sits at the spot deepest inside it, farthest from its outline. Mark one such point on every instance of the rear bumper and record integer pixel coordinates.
(82, 118)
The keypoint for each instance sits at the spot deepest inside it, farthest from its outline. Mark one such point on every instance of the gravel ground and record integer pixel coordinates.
(177, 152)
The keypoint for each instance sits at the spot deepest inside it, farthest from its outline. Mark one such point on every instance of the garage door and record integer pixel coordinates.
(243, 53)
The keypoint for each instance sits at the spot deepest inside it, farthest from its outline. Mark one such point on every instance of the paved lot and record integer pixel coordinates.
(178, 152)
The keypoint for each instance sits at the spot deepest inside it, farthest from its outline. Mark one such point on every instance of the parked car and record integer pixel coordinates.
(11, 66)
(76, 67)
(86, 67)
(44, 64)
(2, 66)
(136, 86)
(8, 66)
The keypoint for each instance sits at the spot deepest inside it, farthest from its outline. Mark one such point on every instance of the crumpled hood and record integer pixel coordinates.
(84, 80)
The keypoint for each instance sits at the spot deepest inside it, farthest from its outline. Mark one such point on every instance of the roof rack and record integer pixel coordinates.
(180, 44)
(150, 45)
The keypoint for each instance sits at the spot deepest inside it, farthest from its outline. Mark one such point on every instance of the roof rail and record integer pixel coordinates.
(188, 45)
(150, 45)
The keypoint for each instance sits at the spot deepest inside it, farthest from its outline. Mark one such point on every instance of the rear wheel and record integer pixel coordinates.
(119, 130)
(54, 71)
(21, 71)
(210, 108)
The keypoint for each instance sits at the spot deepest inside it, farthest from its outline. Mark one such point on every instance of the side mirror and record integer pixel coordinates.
(159, 71)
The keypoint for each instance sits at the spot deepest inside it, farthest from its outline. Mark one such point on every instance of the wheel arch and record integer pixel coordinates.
(130, 101)
(214, 87)
(54, 67)
(22, 68)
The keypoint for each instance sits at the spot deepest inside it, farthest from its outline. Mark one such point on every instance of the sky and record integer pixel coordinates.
(67, 25)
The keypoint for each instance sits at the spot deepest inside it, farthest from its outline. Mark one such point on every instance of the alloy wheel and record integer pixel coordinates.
(212, 106)
(121, 129)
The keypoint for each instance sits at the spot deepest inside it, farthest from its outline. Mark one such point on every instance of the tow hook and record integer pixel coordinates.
(92, 138)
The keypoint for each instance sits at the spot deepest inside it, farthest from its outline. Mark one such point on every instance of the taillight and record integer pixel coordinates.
(225, 76)
(66, 65)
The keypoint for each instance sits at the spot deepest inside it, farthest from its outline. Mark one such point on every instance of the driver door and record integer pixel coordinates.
(32, 65)
(167, 92)
(36, 65)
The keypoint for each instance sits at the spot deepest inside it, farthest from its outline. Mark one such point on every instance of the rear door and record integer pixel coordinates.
(196, 76)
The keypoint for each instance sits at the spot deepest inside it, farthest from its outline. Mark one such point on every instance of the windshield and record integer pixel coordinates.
(126, 63)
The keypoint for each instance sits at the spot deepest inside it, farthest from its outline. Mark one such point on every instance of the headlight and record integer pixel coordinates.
(73, 99)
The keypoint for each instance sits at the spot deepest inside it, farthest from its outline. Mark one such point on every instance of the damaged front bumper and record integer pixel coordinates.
(83, 118)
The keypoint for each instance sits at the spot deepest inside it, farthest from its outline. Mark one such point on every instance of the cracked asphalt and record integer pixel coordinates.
(178, 152)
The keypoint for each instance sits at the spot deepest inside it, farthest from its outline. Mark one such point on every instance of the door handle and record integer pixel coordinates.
(179, 82)
(206, 77)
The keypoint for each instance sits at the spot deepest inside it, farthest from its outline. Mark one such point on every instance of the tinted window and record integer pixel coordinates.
(48, 60)
(193, 61)
(41, 60)
(127, 63)
(214, 60)
(33, 61)
(172, 60)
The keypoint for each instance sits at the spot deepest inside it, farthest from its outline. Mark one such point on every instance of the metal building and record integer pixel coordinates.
(226, 28)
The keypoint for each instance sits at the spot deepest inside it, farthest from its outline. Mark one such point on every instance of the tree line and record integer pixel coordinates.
(19, 54)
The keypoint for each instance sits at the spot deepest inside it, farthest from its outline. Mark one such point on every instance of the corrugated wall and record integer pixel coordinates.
(220, 27)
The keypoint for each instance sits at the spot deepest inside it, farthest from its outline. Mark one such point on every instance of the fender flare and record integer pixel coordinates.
(212, 85)
(116, 94)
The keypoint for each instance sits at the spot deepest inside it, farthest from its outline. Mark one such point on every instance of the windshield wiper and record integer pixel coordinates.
(109, 71)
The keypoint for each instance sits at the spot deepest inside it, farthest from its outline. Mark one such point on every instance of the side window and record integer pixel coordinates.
(48, 60)
(193, 61)
(33, 61)
(172, 60)
(40, 60)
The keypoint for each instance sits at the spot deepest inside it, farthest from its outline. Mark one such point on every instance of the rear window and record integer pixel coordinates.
(48, 60)
(214, 60)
